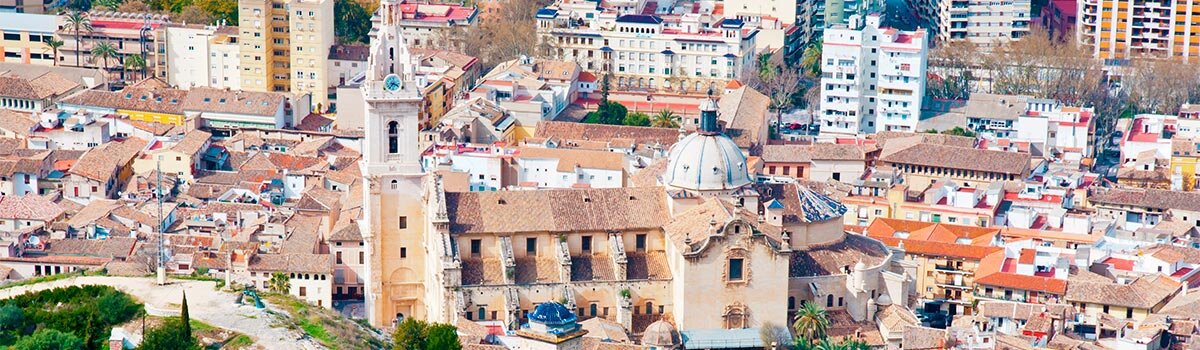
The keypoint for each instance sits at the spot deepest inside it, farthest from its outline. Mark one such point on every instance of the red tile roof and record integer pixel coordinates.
(1119, 264)
(1022, 282)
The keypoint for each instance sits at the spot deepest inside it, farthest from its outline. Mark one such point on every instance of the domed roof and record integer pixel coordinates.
(883, 300)
(551, 313)
(706, 162)
(660, 334)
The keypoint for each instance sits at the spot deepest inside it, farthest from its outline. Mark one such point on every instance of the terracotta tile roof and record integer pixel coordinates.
(908, 138)
(1023, 282)
(192, 142)
(299, 263)
(931, 231)
(305, 234)
(485, 271)
(1174, 254)
(917, 337)
(648, 176)
(158, 100)
(561, 210)
(744, 112)
(347, 233)
(100, 163)
(39, 88)
(592, 267)
(601, 328)
(927, 154)
(1040, 323)
(1146, 198)
(20, 123)
(1144, 293)
(456, 59)
(832, 259)
(647, 265)
(808, 153)
(568, 159)
(596, 132)
(235, 102)
(29, 207)
(536, 270)
(296, 163)
(895, 317)
(941, 249)
(349, 52)
(113, 247)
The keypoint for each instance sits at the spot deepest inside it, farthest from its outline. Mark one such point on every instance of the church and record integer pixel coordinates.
(708, 247)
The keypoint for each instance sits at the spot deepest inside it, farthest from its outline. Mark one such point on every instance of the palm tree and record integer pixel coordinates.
(811, 322)
(810, 63)
(103, 51)
(77, 22)
(664, 119)
(279, 283)
(54, 44)
(136, 63)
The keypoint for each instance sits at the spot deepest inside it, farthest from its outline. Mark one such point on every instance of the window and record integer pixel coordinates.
(1106, 309)
(403, 222)
(586, 244)
(393, 137)
(339, 257)
(531, 245)
(475, 246)
(640, 242)
(403, 252)
(829, 300)
(791, 303)
(735, 269)
(360, 258)
(303, 292)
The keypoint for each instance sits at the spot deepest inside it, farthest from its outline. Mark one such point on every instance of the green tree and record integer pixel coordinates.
(604, 86)
(49, 339)
(442, 336)
(77, 22)
(279, 283)
(104, 51)
(411, 335)
(137, 64)
(609, 112)
(665, 119)
(193, 14)
(117, 307)
(221, 10)
(636, 119)
(959, 131)
(811, 323)
(11, 317)
(169, 336)
(810, 61)
(186, 319)
(54, 44)
(353, 21)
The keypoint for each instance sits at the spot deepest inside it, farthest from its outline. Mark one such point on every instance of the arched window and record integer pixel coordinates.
(482, 313)
(649, 308)
(791, 303)
(393, 137)
(395, 184)
(829, 300)
(593, 310)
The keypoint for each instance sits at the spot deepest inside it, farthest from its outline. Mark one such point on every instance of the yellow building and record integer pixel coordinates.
(1184, 156)
(1132, 28)
(25, 36)
(285, 46)
(181, 159)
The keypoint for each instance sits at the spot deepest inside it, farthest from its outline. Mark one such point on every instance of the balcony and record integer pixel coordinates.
(952, 270)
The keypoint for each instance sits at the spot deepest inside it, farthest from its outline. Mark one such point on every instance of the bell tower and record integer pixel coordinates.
(394, 220)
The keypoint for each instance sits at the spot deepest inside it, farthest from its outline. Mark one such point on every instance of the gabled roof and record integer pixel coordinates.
(29, 207)
(1143, 293)
(100, 163)
(560, 210)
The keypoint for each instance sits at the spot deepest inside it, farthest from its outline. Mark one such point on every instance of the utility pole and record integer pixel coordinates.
(162, 267)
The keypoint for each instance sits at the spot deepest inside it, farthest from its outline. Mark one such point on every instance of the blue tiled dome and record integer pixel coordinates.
(552, 313)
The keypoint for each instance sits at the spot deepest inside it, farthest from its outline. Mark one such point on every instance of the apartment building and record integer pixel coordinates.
(691, 47)
(987, 23)
(1132, 28)
(783, 24)
(946, 258)
(285, 46)
(25, 37)
(434, 26)
(873, 78)
(131, 33)
(204, 56)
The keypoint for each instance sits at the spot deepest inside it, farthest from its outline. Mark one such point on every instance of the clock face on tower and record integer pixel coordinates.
(391, 82)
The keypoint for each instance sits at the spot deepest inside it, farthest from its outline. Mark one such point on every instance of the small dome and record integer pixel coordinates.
(660, 334)
(883, 300)
(860, 266)
(706, 162)
(551, 313)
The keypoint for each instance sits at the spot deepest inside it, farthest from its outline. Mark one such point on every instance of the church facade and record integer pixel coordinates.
(708, 248)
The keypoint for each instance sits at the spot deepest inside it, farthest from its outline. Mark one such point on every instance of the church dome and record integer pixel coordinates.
(660, 334)
(706, 162)
(551, 313)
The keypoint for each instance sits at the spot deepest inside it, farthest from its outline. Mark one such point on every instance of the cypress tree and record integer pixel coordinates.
(187, 322)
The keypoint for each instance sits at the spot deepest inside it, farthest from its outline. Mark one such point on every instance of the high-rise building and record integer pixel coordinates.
(203, 56)
(987, 23)
(1129, 28)
(873, 78)
(285, 46)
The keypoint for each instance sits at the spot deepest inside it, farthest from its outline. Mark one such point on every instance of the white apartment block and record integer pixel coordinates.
(684, 47)
(203, 56)
(987, 23)
(873, 78)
